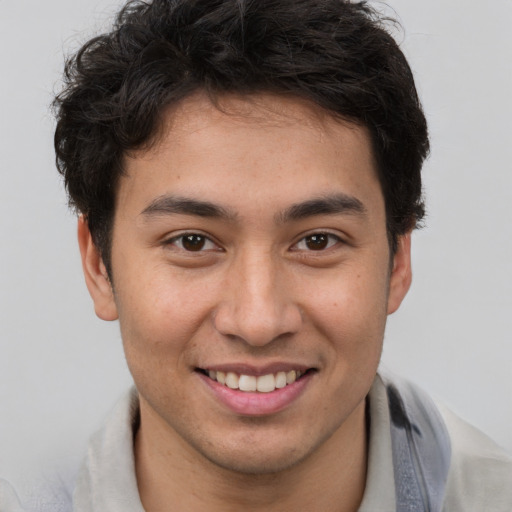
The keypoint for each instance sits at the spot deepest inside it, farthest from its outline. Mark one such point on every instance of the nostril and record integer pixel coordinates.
(256, 327)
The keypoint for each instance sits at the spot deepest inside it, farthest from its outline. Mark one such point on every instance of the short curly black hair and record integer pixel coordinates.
(337, 54)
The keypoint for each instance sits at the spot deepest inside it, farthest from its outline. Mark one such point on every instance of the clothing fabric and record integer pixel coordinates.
(8, 499)
(421, 458)
(479, 477)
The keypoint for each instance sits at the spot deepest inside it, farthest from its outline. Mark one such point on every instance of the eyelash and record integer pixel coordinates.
(200, 240)
(318, 237)
(193, 238)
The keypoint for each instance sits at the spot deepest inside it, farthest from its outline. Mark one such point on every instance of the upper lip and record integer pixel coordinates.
(256, 370)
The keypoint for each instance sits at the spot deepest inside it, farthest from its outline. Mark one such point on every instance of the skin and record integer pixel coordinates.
(259, 291)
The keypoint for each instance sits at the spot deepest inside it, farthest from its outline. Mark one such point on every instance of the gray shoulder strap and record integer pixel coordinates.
(421, 448)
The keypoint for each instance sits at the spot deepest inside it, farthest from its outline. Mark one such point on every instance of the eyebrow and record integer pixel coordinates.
(326, 205)
(169, 205)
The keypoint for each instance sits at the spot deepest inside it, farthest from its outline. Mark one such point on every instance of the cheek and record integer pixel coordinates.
(350, 311)
(159, 319)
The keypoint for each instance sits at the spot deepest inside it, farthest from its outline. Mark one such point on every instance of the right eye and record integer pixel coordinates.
(192, 242)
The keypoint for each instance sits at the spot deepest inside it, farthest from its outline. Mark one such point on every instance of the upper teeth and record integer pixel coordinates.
(263, 383)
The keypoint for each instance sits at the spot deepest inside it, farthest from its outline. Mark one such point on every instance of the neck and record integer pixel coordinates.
(169, 471)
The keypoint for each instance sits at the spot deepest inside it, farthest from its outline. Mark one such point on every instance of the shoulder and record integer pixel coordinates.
(9, 501)
(480, 476)
(44, 488)
(34, 497)
(470, 470)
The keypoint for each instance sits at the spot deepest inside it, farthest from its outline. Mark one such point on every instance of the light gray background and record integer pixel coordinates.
(61, 369)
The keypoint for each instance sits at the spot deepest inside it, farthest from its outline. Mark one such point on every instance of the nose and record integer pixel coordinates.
(257, 303)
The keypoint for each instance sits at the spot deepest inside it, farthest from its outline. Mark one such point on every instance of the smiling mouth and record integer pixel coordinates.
(251, 383)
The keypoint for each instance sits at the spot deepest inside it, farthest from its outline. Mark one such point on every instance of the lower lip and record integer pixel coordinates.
(258, 404)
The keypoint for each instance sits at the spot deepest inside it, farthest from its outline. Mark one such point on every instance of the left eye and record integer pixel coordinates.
(193, 242)
(317, 242)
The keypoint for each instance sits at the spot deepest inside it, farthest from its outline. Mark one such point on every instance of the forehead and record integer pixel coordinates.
(252, 112)
(275, 143)
(256, 110)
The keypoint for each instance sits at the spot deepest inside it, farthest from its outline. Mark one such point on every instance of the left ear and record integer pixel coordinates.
(401, 273)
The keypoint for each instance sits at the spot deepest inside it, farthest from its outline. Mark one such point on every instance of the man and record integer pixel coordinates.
(248, 176)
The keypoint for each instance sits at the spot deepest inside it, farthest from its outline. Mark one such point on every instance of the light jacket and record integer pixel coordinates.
(421, 458)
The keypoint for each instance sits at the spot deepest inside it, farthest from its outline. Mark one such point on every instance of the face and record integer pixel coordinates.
(252, 280)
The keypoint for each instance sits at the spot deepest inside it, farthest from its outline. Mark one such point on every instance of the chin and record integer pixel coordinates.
(256, 464)
(270, 453)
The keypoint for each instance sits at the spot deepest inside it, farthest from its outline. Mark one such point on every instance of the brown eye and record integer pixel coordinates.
(193, 242)
(317, 242)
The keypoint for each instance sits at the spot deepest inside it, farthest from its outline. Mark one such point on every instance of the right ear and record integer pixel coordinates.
(95, 273)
